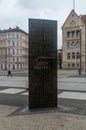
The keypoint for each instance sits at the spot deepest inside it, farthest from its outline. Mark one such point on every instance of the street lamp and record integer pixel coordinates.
(6, 58)
(80, 55)
(85, 49)
(80, 50)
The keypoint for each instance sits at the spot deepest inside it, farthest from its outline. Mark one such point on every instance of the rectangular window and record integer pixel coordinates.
(17, 36)
(13, 35)
(78, 33)
(68, 65)
(8, 43)
(8, 35)
(13, 43)
(68, 55)
(78, 65)
(17, 43)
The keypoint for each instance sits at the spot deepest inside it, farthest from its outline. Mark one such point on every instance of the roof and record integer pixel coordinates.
(72, 11)
(17, 29)
(84, 18)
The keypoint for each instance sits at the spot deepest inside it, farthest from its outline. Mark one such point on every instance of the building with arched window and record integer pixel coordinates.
(74, 41)
(13, 49)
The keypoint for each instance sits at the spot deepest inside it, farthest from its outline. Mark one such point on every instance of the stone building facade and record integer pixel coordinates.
(74, 41)
(13, 49)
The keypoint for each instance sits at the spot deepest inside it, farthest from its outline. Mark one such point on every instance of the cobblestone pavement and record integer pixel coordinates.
(52, 120)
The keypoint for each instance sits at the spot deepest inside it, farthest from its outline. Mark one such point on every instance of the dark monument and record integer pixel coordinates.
(42, 63)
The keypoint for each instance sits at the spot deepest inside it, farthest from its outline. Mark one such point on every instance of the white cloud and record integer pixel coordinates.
(16, 12)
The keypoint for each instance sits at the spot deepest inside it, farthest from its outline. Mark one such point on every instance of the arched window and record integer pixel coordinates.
(68, 55)
(73, 55)
(77, 55)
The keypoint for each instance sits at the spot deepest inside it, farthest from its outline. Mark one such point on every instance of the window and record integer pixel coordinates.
(68, 65)
(73, 33)
(8, 35)
(17, 43)
(78, 65)
(73, 55)
(78, 33)
(8, 43)
(77, 44)
(17, 36)
(68, 55)
(13, 35)
(72, 23)
(68, 45)
(68, 34)
(72, 45)
(13, 43)
(77, 55)
(73, 65)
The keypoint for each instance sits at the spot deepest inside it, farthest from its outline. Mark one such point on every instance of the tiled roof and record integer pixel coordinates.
(84, 18)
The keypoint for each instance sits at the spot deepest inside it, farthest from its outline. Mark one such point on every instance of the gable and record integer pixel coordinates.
(72, 20)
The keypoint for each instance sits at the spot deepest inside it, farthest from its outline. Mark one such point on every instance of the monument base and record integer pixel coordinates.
(26, 110)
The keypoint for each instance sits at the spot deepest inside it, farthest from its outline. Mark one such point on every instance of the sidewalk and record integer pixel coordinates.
(40, 121)
(67, 73)
(52, 120)
(13, 81)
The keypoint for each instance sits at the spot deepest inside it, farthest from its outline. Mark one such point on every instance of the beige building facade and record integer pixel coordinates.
(74, 41)
(13, 49)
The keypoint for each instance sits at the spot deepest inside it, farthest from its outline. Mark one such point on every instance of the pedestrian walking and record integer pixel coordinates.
(9, 73)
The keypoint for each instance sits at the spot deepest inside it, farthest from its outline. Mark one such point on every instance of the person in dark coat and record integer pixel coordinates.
(9, 73)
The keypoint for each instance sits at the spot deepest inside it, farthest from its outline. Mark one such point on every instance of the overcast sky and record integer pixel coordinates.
(16, 12)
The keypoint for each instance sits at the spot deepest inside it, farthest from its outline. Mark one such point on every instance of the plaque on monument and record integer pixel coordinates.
(42, 63)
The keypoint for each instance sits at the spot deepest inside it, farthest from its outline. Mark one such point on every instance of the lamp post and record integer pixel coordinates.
(80, 55)
(80, 71)
(6, 58)
(85, 49)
